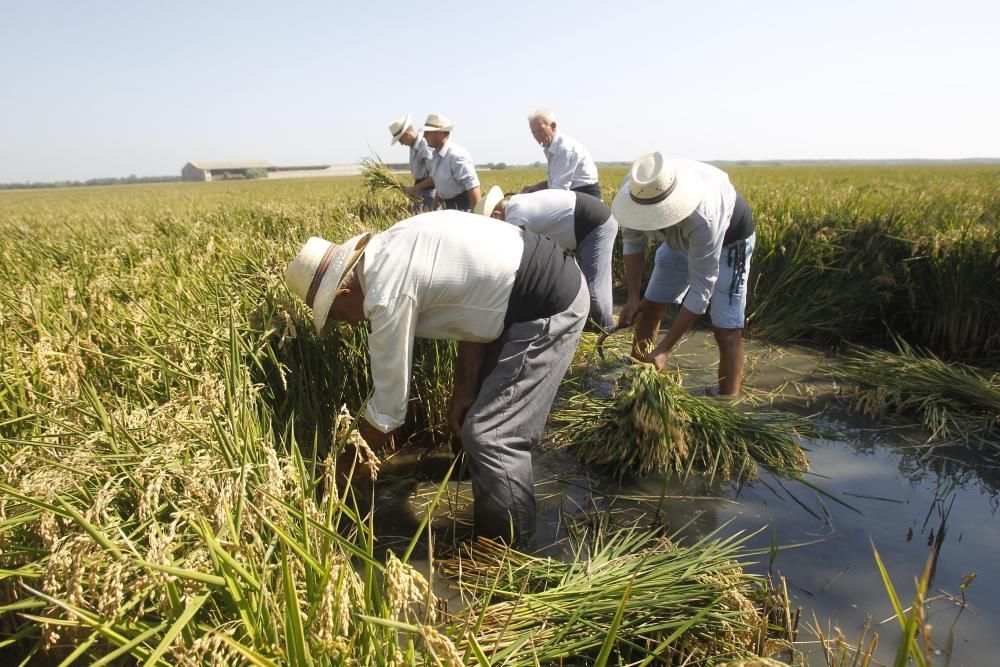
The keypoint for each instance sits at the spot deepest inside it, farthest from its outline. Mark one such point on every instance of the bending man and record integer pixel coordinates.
(576, 221)
(514, 301)
(706, 234)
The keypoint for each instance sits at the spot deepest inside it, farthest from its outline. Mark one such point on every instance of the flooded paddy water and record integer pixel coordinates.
(868, 484)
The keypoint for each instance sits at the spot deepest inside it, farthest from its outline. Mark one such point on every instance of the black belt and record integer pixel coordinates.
(459, 202)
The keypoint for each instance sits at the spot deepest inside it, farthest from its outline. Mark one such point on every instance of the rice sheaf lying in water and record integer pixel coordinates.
(655, 425)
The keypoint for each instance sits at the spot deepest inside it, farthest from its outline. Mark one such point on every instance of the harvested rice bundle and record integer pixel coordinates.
(954, 402)
(634, 595)
(655, 425)
(378, 177)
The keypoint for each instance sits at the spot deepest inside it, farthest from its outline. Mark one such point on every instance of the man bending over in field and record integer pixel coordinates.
(514, 301)
(706, 233)
(578, 222)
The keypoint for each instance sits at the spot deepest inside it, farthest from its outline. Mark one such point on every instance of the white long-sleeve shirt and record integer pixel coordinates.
(445, 275)
(570, 164)
(546, 212)
(699, 235)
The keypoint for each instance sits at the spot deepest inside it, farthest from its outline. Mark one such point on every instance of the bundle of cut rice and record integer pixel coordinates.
(655, 425)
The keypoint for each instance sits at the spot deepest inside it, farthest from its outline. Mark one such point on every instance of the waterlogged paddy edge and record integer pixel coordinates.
(890, 496)
(145, 316)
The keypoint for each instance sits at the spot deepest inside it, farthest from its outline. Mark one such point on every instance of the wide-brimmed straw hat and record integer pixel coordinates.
(319, 270)
(437, 123)
(657, 194)
(398, 126)
(486, 205)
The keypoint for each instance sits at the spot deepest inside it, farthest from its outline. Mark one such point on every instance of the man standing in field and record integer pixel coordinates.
(569, 164)
(453, 173)
(402, 130)
(579, 223)
(514, 301)
(706, 233)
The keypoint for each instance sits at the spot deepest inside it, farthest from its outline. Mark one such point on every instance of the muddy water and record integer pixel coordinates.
(873, 487)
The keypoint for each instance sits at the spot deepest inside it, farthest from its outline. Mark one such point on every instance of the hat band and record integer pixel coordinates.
(324, 264)
(653, 200)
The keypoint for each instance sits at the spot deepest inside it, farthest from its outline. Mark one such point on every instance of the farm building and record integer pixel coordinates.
(218, 171)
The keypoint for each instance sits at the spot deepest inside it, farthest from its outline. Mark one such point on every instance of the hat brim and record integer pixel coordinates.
(407, 122)
(431, 128)
(680, 204)
(343, 261)
(486, 204)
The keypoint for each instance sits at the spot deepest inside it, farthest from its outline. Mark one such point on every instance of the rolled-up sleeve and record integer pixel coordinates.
(390, 347)
(633, 241)
(464, 171)
(561, 167)
(704, 250)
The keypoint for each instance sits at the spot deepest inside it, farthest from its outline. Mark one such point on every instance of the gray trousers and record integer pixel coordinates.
(594, 257)
(508, 416)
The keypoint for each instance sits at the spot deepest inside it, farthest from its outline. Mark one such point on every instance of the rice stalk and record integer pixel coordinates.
(653, 598)
(954, 402)
(378, 178)
(654, 425)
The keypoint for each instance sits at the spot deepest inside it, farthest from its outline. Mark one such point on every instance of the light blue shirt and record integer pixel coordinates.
(699, 235)
(421, 157)
(453, 171)
(570, 165)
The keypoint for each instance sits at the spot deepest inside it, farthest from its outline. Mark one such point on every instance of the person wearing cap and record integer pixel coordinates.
(515, 302)
(578, 222)
(570, 166)
(705, 229)
(453, 173)
(402, 131)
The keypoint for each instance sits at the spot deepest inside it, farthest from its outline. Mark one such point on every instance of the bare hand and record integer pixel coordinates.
(410, 190)
(659, 360)
(630, 312)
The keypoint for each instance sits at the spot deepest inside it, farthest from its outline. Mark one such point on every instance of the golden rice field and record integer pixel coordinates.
(168, 420)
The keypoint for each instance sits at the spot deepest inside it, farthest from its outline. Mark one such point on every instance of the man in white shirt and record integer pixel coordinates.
(576, 221)
(706, 231)
(402, 131)
(515, 302)
(570, 166)
(453, 173)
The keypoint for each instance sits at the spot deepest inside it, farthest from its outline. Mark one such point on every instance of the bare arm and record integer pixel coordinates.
(682, 324)
(468, 367)
(475, 194)
(633, 283)
(535, 187)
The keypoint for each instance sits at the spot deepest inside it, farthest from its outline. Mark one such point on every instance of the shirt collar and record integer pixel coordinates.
(444, 150)
(556, 142)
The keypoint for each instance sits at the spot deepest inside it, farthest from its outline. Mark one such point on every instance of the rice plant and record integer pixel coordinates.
(955, 403)
(655, 425)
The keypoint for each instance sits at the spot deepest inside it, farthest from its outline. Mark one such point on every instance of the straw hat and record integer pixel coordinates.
(319, 270)
(398, 126)
(657, 194)
(437, 123)
(486, 205)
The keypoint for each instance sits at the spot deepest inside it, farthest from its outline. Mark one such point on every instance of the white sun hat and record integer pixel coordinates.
(658, 193)
(437, 123)
(486, 205)
(398, 126)
(319, 270)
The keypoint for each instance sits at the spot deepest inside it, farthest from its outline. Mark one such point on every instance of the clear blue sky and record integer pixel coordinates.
(111, 88)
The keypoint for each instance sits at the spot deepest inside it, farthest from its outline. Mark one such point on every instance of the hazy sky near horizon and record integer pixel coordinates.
(112, 88)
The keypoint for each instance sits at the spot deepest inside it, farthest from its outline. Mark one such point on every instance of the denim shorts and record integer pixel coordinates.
(669, 282)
